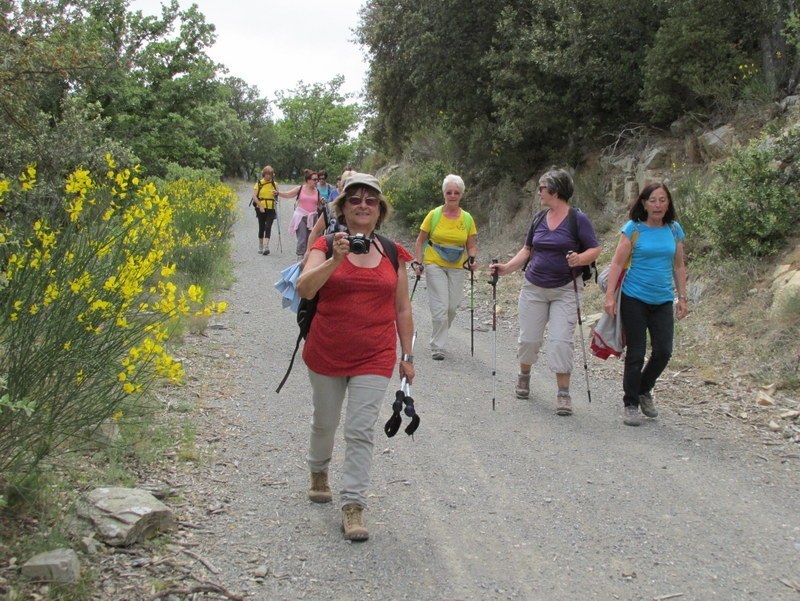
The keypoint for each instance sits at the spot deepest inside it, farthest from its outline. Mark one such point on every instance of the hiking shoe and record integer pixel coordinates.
(632, 417)
(261, 251)
(563, 404)
(647, 405)
(523, 386)
(353, 523)
(319, 492)
(437, 355)
(266, 252)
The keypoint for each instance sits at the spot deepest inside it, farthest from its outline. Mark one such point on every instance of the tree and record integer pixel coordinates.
(315, 129)
(244, 157)
(695, 57)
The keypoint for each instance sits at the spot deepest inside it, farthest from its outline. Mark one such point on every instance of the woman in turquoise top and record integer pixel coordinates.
(655, 239)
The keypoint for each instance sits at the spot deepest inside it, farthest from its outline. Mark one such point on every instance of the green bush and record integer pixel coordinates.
(177, 172)
(752, 207)
(415, 191)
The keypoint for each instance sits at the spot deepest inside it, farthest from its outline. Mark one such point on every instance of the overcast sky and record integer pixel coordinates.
(308, 40)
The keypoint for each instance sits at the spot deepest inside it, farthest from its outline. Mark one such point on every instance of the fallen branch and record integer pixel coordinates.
(210, 566)
(665, 597)
(203, 587)
(792, 585)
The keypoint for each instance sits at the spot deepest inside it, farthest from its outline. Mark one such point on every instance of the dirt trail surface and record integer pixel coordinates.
(515, 503)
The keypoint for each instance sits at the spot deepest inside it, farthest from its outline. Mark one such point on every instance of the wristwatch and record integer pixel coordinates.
(681, 297)
(406, 357)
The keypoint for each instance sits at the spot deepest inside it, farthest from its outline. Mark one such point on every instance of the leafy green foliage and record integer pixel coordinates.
(754, 205)
(315, 130)
(81, 75)
(415, 191)
(695, 56)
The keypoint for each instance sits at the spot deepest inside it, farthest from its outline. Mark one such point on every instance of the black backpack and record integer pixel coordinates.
(308, 307)
(586, 270)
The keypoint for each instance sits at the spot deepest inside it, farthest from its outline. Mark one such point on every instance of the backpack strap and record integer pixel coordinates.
(634, 238)
(435, 218)
(306, 306)
(674, 231)
(537, 219)
(573, 226)
(390, 247)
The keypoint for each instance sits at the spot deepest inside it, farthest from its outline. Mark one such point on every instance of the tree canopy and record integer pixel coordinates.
(80, 78)
(516, 82)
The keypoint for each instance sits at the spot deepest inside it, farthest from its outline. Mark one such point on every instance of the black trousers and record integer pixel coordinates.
(639, 319)
(265, 219)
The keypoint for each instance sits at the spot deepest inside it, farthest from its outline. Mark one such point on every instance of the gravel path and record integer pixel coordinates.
(515, 503)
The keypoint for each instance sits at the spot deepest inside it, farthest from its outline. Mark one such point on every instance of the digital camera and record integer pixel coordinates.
(359, 244)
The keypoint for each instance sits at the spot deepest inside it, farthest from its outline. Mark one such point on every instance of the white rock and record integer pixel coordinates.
(124, 516)
(61, 565)
(764, 399)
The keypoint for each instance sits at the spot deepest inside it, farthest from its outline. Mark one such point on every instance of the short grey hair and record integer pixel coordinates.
(558, 182)
(453, 179)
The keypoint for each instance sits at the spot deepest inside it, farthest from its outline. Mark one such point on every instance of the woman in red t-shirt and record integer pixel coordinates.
(351, 348)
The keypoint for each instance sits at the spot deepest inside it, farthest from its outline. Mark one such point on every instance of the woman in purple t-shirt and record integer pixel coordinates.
(559, 242)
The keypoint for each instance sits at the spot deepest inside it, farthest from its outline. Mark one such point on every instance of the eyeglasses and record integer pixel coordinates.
(313, 179)
(542, 188)
(357, 200)
(323, 177)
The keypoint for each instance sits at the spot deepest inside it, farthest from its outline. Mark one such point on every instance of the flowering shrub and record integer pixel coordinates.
(88, 301)
(204, 218)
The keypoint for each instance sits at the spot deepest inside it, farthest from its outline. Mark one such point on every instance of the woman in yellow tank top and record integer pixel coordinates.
(447, 238)
(263, 199)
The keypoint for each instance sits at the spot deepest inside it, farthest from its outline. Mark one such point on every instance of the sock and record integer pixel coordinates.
(564, 389)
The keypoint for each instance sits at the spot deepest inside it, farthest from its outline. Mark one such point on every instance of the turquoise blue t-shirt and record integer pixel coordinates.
(650, 278)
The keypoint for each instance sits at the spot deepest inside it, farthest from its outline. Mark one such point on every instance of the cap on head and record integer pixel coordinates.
(362, 179)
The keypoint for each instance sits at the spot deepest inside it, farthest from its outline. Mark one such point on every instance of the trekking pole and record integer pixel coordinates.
(278, 218)
(277, 205)
(493, 284)
(580, 327)
(414, 289)
(467, 264)
(416, 281)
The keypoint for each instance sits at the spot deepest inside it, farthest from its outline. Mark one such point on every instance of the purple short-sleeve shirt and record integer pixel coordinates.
(548, 267)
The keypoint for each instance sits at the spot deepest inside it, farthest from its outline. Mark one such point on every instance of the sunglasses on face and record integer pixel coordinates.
(313, 179)
(371, 201)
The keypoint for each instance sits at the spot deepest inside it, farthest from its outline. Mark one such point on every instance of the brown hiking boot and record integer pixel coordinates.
(319, 492)
(563, 404)
(353, 523)
(523, 386)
